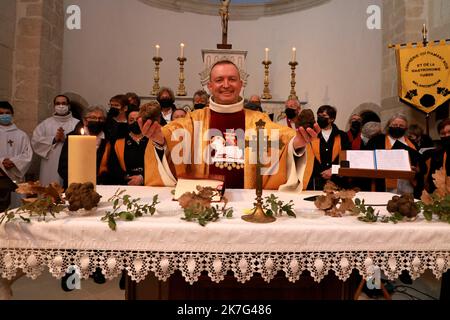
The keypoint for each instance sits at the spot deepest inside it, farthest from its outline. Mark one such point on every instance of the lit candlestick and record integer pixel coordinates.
(267, 54)
(294, 51)
(82, 158)
(157, 50)
(182, 50)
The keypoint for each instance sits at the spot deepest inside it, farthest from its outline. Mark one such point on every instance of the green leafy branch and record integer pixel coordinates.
(40, 207)
(275, 207)
(131, 211)
(368, 214)
(437, 205)
(197, 206)
(204, 214)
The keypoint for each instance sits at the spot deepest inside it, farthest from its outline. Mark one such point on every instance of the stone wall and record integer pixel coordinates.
(38, 60)
(7, 32)
(37, 66)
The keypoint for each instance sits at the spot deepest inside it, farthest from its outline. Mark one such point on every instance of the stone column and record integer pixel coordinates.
(402, 22)
(37, 60)
(37, 63)
(7, 32)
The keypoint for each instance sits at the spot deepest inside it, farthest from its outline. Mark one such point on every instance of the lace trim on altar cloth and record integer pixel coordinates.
(244, 265)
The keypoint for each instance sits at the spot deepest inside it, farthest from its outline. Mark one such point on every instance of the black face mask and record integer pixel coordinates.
(95, 127)
(253, 106)
(166, 103)
(199, 106)
(290, 113)
(113, 112)
(322, 122)
(396, 132)
(445, 141)
(355, 126)
(134, 128)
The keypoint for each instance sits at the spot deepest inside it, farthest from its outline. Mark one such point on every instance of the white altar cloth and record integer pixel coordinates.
(164, 243)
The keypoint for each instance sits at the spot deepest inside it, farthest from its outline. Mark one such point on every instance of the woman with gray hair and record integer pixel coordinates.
(93, 124)
(370, 130)
(395, 138)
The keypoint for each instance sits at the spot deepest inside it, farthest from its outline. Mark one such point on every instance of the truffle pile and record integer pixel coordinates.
(82, 195)
(404, 205)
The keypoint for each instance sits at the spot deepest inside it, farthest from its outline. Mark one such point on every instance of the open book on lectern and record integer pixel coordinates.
(397, 159)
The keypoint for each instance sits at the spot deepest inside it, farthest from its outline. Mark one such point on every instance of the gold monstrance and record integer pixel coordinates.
(258, 215)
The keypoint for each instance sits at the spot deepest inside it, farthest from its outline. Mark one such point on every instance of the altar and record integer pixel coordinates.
(165, 247)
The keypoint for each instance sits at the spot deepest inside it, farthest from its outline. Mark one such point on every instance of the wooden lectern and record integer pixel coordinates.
(372, 173)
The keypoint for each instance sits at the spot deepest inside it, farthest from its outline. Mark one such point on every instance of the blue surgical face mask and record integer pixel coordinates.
(5, 119)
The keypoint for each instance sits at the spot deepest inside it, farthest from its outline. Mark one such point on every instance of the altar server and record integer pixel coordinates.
(48, 139)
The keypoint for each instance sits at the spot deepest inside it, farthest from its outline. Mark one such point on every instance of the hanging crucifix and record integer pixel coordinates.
(10, 142)
(224, 15)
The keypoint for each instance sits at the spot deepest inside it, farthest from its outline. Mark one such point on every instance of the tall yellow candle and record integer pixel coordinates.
(82, 159)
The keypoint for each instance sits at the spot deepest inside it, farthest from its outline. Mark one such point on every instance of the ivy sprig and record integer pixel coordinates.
(40, 207)
(132, 209)
(197, 206)
(274, 207)
(204, 214)
(438, 205)
(368, 214)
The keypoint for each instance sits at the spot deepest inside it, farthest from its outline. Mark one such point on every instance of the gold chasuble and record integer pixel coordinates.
(157, 172)
(424, 75)
(190, 153)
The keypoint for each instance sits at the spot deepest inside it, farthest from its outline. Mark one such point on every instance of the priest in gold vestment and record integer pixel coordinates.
(221, 140)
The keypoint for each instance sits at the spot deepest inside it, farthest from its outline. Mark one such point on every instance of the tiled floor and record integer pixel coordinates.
(46, 287)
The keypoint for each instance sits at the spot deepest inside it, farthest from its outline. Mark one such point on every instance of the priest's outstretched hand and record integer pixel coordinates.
(152, 130)
(303, 137)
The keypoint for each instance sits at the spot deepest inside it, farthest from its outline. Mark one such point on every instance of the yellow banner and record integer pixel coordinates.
(424, 76)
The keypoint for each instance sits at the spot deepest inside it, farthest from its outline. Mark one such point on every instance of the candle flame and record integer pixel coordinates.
(157, 46)
(181, 44)
(82, 131)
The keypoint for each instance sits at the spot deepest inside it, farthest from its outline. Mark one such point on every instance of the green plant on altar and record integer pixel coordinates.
(274, 207)
(41, 202)
(131, 211)
(40, 207)
(197, 206)
(368, 214)
(437, 203)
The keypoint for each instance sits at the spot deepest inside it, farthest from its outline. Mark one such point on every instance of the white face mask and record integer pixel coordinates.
(61, 110)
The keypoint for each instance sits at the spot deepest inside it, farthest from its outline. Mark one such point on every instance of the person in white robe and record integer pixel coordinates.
(48, 139)
(15, 148)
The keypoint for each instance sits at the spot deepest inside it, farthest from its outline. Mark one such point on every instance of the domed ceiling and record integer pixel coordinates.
(239, 9)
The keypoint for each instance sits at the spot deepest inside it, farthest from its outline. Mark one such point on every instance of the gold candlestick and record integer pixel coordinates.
(293, 94)
(266, 92)
(181, 88)
(156, 76)
(258, 215)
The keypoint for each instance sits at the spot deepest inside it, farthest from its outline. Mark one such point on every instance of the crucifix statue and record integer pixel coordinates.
(224, 15)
